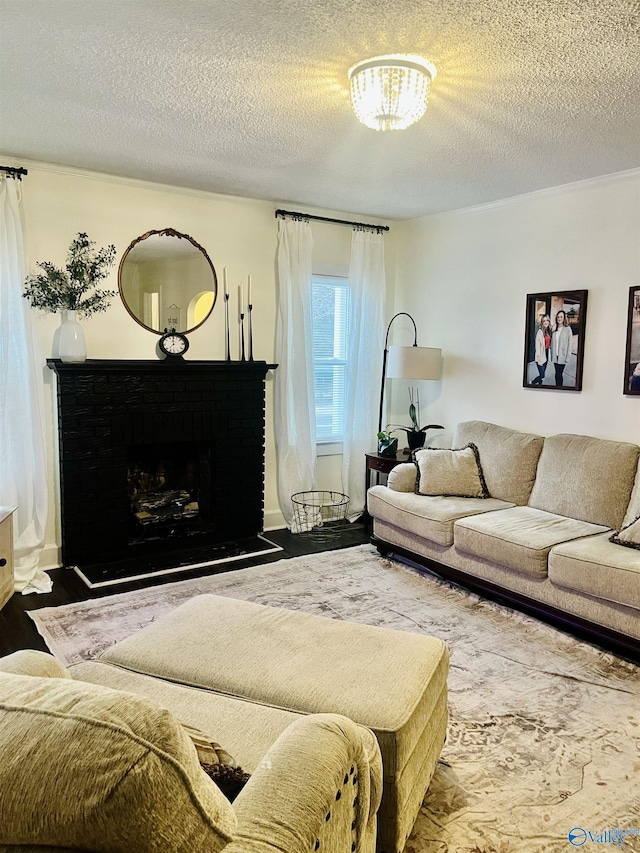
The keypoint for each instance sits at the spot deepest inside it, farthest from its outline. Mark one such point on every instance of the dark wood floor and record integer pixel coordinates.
(17, 630)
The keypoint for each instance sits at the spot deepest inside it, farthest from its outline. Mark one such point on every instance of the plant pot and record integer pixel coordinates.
(72, 346)
(415, 439)
(388, 448)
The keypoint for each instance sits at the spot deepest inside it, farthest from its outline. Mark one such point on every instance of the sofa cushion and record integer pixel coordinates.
(430, 517)
(518, 538)
(453, 473)
(586, 478)
(116, 772)
(509, 458)
(597, 567)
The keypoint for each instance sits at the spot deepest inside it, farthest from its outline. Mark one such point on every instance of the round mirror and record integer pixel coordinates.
(167, 281)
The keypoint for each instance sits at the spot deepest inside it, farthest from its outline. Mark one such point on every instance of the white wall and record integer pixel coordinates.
(464, 277)
(238, 233)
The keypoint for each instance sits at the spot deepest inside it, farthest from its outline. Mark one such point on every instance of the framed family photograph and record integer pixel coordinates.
(632, 357)
(554, 340)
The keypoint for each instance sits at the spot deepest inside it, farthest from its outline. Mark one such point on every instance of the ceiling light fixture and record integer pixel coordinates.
(390, 92)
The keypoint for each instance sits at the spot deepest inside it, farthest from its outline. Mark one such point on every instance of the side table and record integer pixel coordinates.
(377, 464)
(6, 554)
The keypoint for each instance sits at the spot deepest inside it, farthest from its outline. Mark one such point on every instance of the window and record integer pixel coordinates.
(330, 312)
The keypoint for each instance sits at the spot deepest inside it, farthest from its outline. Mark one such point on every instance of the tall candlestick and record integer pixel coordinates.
(227, 341)
(226, 284)
(241, 303)
(250, 300)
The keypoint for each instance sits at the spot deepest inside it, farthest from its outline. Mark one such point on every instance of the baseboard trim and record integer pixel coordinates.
(274, 520)
(50, 558)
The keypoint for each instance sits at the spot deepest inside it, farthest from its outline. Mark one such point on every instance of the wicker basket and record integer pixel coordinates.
(319, 515)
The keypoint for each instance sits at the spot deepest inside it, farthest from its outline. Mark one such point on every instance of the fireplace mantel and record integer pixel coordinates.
(109, 365)
(107, 407)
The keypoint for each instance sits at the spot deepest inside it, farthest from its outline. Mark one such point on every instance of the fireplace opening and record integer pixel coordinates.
(169, 491)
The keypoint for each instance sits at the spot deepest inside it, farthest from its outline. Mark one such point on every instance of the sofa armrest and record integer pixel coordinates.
(402, 478)
(32, 662)
(317, 788)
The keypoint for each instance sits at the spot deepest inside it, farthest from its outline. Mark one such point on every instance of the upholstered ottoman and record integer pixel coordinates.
(393, 682)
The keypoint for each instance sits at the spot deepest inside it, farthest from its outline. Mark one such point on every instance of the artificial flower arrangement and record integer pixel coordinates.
(73, 288)
(415, 433)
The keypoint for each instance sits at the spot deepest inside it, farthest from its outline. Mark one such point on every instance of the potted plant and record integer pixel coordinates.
(387, 444)
(415, 433)
(73, 289)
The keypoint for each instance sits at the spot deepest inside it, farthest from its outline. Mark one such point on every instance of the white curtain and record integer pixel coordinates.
(22, 454)
(366, 343)
(294, 392)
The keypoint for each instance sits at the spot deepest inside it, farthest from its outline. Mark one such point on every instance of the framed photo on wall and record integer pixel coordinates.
(554, 340)
(632, 357)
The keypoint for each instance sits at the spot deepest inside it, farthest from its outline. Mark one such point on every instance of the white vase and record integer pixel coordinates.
(72, 346)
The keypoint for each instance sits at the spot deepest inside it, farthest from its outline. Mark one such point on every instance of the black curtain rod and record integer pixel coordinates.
(297, 215)
(14, 171)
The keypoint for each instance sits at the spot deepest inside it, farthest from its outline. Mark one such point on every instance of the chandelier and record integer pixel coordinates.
(390, 92)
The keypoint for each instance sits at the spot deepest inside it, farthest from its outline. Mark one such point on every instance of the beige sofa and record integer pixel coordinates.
(91, 768)
(307, 704)
(542, 538)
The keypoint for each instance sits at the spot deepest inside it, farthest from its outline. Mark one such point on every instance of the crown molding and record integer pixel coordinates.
(548, 192)
(122, 180)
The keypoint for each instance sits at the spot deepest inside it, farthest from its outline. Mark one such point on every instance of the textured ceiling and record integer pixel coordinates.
(250, 97)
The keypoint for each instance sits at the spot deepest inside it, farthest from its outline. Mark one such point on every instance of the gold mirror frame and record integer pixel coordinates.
(160, 306)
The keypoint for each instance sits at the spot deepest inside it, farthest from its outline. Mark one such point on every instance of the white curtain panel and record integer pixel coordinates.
(22, 454)
(366, 344)
(294, 392)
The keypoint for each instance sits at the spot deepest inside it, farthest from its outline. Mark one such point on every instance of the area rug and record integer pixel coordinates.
(543, 749)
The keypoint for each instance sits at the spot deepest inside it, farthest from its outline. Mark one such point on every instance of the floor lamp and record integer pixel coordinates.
(412, 362)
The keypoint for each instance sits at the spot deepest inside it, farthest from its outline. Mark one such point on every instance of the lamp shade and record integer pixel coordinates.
(414, 363)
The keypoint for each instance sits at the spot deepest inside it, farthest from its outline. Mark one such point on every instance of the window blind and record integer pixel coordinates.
(330, 309)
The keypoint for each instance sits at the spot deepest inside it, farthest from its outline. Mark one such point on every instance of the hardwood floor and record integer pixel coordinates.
(17, 631)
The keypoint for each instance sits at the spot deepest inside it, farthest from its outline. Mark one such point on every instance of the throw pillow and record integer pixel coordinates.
(88, 767)
(455, 473)
(216, 762)
(628, 536)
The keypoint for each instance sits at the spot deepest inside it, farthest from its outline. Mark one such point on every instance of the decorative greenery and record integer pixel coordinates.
(385, 437)
(74, 287)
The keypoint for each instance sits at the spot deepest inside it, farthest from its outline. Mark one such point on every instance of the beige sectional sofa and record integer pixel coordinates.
(542, 538)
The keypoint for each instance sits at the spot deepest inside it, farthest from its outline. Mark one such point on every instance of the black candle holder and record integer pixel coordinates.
(250, 332)
(227, 344)
(242, 351)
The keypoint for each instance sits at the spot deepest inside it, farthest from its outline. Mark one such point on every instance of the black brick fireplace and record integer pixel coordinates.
(158, 457)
